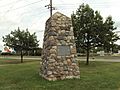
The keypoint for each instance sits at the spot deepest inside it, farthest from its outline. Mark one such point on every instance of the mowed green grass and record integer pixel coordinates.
(25, 76)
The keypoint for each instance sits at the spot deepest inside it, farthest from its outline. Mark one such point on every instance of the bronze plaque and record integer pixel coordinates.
(63, 50)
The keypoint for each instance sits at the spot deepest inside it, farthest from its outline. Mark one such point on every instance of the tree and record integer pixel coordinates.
(89, 29)
(83, 28)
(21, 40)
(110, 34)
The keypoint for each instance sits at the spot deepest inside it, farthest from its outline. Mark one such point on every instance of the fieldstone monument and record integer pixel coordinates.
(59, 50)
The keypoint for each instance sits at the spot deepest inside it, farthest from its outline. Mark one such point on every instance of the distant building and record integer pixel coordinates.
(118, 51)
(7, 51)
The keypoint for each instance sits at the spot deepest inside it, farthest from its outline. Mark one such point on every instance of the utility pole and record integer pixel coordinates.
(50, 7)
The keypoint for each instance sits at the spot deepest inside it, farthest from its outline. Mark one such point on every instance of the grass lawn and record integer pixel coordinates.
(96, 76)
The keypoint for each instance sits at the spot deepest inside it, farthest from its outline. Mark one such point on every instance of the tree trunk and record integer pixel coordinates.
(28, 53)
(88, 48)
(21, 56)
(87, 62)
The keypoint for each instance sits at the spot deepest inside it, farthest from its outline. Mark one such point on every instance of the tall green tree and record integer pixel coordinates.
(83, 23)
(21, 40)
(110, 34)
(89, 29)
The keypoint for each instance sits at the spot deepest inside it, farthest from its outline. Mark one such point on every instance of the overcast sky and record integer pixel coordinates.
(32, 14)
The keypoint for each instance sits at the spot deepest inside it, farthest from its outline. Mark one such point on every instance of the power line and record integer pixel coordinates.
(9, 3)
(25, 5)
(10, 8)
(28, 12)
(40, 15)
(34, 23)
(20, 7)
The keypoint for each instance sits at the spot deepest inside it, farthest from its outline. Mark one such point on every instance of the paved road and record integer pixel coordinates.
(101, 60)
(104, 59)
(18, 57)
(108, 59)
